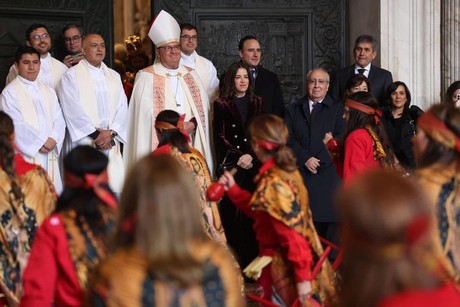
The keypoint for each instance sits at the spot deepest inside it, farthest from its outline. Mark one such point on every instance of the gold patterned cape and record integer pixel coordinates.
(283, 195)
(442, 186)
(195, 164)
(19, 222)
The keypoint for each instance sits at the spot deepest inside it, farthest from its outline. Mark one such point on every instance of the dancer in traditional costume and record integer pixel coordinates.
(288, 242)
(162, 256)
(71, 242)
(27, 197)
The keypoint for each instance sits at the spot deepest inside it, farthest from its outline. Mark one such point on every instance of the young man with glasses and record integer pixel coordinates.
(167, 85)
(190, 58)
(51, 70)
(308, 120)
(73, 44)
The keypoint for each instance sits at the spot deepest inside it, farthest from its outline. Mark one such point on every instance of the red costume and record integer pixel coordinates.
(447, 295)
(64, 254)
(359, 154)
(51, 264)
(284, 230)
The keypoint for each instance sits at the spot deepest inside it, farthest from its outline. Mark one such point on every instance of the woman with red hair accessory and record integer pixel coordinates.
(365, 144)
(288, 242)
(437, 153)
(72, 241)
(27, 197)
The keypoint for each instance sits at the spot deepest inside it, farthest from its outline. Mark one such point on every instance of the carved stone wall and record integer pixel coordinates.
(17, 15)
(295, 35)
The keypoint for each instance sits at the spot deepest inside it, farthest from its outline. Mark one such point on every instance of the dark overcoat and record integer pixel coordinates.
(306, 133)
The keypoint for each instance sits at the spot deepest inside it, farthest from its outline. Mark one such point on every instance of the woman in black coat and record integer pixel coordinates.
(233, 110)
(399, 120)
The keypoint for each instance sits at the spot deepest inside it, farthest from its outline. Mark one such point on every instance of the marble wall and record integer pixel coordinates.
(411, 46)
(450, 42)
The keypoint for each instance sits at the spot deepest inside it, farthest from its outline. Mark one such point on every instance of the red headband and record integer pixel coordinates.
(268, 145)
(364, 108)
(92, 181)
(180, 125)
(438, 131)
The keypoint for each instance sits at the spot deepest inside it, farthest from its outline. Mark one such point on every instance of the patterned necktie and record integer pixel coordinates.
(361, 71)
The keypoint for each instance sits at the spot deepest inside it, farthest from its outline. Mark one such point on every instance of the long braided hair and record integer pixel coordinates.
(7, 154)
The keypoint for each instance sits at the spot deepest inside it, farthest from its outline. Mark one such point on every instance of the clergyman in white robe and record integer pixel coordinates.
(157, 88)
(51, 71)
(93, 97)
(37, 116)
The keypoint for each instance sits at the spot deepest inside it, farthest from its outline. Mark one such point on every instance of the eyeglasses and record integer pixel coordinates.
(319, 81)
(38, 37)
(170, 48)
(72, 39)
(189, 38)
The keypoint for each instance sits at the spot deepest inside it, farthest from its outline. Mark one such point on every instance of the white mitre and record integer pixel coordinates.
(164, 30)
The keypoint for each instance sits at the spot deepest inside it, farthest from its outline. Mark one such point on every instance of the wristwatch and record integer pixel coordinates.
(113, 133)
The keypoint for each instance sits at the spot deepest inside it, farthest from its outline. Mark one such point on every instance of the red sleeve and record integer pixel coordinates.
(296, 248)
(40, 275)
(241, 199)
(358, 147)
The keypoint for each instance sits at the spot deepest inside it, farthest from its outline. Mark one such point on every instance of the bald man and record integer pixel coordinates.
(95, 106)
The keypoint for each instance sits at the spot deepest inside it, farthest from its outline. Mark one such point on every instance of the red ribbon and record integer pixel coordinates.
(94, 182)
(364, 108)
(268, 145)
(180, 125)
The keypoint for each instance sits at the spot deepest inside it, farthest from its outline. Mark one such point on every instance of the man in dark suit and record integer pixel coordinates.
(364, 53)
(267, 84)
(308, 120)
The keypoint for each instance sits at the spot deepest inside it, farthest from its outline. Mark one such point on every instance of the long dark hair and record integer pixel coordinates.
(393, 87)
(7, 153)
(172, 137)
(358, 120)
(228, 91)
(80, 161)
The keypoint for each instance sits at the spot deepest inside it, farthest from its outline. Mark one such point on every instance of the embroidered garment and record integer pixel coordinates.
(442, 185)
(285, 231)
(195, 164)
(19, 221)
(64, 255)
(123, 279)
(154, 91)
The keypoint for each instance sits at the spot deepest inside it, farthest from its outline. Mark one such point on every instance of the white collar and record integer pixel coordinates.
(28, 82)
(367, 68)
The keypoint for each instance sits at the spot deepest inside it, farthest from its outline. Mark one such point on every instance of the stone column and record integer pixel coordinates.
(450, 43)
(411, 46)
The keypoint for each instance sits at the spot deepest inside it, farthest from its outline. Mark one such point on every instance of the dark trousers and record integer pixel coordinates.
(239, 232)
(330, 232)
